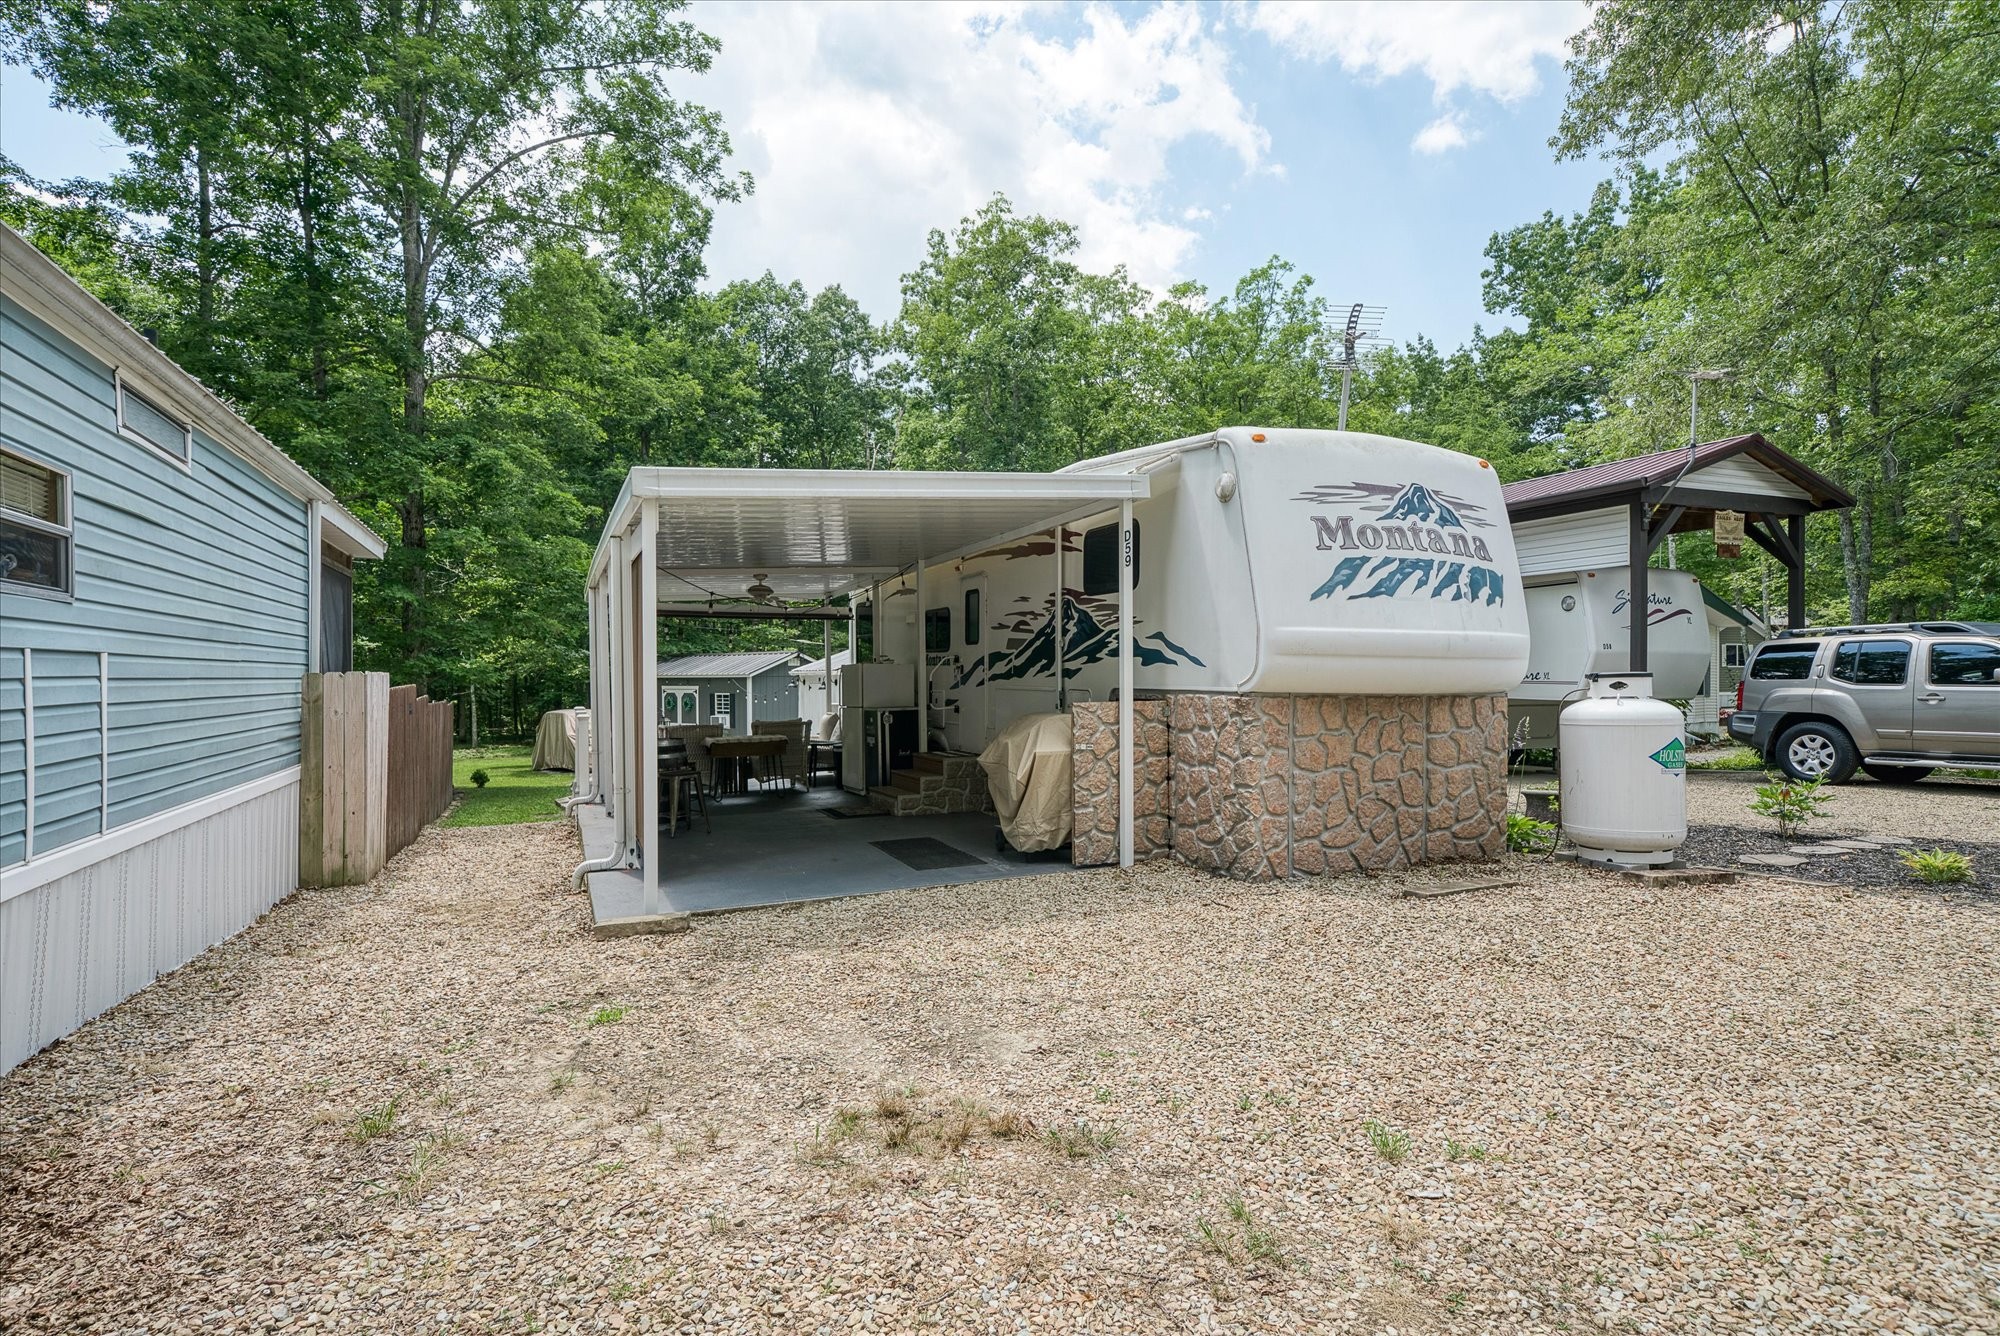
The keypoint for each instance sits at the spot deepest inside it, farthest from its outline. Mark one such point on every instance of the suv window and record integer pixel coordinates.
(1873, 663)
(1964, 663)
(1784, 660)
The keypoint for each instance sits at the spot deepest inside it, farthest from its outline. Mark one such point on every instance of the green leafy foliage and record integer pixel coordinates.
(1527, 835)
(1939, 867)
(1790, 802)
(450, 258)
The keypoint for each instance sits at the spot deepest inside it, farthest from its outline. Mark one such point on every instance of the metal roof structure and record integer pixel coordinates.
(1623, 480)
(1683, 490)
(815, 534)
(727, 665)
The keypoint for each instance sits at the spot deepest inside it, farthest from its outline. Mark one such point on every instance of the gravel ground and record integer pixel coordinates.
(1107, 1102)
(1962, 816)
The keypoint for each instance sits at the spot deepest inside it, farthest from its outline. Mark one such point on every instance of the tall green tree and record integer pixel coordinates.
(1834, 241)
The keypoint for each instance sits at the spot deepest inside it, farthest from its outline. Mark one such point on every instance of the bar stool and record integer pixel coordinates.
(681, 782)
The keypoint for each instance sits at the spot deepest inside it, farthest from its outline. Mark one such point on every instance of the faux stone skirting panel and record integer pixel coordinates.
(1094, 756)
(1258, 787)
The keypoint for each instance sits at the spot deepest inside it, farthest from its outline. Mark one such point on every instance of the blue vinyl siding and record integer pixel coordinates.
(193, 581)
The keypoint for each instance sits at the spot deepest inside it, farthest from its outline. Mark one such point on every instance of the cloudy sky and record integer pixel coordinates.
(1375, 145)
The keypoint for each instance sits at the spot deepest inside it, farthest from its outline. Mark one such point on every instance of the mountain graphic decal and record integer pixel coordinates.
(1418, 502)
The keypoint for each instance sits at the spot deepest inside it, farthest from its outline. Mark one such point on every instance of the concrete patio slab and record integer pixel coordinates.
(785, 846)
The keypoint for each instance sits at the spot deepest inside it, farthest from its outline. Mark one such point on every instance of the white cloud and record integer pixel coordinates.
(1442, 135)
(867, 125)
(1459, 46)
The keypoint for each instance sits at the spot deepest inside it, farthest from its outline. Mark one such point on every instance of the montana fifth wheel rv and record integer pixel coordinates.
(1279, 652)
(1278, 562)
(1581, 623)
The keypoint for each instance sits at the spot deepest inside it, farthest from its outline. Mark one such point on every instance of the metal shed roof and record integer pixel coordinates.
(727, 665)
(813, 534)
(1627, 479)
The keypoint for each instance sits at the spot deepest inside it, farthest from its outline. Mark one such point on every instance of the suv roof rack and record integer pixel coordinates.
(1892, 628)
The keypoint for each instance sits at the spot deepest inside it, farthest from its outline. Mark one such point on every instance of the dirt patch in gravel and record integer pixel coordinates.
(1105, 1101)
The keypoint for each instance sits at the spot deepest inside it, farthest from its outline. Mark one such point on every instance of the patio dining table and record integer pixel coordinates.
(736, 757)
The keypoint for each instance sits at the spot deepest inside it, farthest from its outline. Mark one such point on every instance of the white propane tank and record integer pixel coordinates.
(1624, 773)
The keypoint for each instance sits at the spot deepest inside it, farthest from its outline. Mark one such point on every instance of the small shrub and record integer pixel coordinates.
(1080, 1141)
(1939, 867)
(1527, 835)
(375, 1122)
(480, 779)
(1390, 1144)
(1790, 802)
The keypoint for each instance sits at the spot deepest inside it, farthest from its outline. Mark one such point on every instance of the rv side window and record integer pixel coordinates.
(1873, 663)
(937, 631)
(1784, 660)
(1100, 559)
(972, 621)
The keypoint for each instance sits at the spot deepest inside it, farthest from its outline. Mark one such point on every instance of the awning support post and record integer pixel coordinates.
(1638, 549)
(1795, 573)
(1125, 776)
(1061, 627)
(648, 813)
(923, 666)
(826, 675)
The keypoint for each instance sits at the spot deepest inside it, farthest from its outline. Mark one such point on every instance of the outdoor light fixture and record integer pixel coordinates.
(760, 591)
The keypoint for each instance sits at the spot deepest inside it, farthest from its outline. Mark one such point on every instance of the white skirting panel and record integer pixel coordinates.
(75, 946)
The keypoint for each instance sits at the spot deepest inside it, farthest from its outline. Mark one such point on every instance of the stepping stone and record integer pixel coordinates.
(1849, 846)
(1889, 839)
(1862, 844)
(1771, 860)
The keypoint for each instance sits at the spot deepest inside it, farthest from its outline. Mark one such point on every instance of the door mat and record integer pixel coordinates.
(846, 813)
(925, 854)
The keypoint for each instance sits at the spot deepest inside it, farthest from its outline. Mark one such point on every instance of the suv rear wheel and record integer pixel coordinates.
(1815, 750)
(1896, 774)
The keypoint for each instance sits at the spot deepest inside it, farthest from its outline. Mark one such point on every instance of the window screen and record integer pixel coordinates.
(937, 631)
(1784, 660)
(336, 619)
(34, 525)
(141, 417)
(1873, 663)
(1964, 664)
(1100, 559)
(972, 619)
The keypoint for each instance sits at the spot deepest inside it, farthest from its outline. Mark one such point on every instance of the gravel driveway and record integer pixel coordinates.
(1106, 1102)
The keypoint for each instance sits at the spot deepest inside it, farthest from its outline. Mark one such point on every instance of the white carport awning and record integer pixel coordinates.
(817, 533)
(677, 537)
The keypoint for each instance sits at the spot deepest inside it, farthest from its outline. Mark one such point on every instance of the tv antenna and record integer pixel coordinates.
(1363, 329)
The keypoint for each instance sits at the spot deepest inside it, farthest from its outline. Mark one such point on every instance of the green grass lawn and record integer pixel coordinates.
(513, 792)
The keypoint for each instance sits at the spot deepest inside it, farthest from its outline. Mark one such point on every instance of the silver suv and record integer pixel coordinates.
(1896, 701)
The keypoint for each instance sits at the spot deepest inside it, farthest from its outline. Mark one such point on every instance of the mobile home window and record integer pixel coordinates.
(937, 631)
(1100, 559)
(972, 617)
(35, 534)
(149, 424)
(1734, 654)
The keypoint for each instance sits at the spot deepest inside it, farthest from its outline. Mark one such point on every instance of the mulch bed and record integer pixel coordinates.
(1722, 846)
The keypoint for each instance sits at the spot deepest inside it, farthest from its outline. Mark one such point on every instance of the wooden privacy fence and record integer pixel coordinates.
(420, 732)
(374, 769)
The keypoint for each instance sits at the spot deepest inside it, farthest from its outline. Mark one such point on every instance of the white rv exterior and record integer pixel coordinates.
(1580, 623)
(1271, 561)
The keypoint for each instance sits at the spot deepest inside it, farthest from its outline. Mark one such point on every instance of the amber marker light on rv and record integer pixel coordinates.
(1256, 435)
